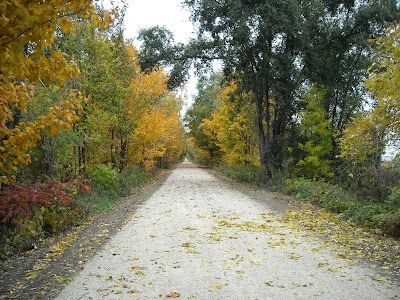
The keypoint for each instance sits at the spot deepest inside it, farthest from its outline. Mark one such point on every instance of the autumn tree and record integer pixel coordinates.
(367, 135)
(232, 127)
(206, 150)
(316, 128)
(27, 34)
(158, 138)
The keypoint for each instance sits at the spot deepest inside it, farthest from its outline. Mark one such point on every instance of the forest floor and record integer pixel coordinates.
(195, 234)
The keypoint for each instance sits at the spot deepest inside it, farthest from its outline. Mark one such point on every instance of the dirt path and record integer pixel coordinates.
(199, 237)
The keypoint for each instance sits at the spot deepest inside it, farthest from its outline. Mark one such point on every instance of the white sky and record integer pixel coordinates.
(168, 13)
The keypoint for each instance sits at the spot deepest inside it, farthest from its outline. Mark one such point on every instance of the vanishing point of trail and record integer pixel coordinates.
(200, 238)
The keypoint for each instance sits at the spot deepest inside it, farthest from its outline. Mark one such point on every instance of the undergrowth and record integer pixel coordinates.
(108, 187)
(30, 212)
(249, 174)
(382, 214)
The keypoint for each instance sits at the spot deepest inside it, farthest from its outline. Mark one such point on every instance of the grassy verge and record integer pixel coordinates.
(249, 174)
(381, 215)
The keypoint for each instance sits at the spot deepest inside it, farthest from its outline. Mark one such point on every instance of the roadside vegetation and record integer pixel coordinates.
(81, 122)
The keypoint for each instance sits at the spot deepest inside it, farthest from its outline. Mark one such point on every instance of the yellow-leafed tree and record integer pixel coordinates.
(366, 137)
(27, 32)
(232, 126)
(157, 137)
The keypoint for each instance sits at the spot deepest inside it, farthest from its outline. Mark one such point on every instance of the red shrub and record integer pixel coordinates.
(20, 201)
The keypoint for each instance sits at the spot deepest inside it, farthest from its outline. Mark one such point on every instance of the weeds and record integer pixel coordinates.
(365, 211)
(382, 215)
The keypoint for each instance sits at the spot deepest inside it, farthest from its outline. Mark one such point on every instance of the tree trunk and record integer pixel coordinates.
(263, 134)
(112, 149)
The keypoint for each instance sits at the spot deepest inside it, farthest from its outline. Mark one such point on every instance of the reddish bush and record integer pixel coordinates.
(21, 201)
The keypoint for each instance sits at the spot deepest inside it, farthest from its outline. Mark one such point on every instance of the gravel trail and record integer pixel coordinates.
(201, 238)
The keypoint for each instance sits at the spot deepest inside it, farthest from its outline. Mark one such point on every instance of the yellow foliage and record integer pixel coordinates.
(159, 134)
(27, 32)
(232, 126)
(368, 134)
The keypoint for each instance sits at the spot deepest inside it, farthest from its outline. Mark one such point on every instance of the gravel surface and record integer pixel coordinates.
(198, 238)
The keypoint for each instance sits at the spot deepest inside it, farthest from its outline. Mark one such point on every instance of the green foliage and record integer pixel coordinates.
(102, 198)
(159, 50)
(315, 127)
(384, 215)
(104, 177)
(393, 199)
(250, 173)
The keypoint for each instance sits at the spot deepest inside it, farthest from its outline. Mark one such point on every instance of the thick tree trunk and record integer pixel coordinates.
(262, 109)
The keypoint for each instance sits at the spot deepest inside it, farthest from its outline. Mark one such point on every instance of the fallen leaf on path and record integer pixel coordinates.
(174, 294)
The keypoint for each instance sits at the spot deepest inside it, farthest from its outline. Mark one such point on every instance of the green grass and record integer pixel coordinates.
(250, 174)
(378, 214)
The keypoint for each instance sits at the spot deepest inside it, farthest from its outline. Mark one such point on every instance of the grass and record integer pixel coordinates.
(249, 174)
(383, 215)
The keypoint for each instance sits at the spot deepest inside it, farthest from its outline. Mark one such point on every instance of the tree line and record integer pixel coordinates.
(74, 95)
(76, 110)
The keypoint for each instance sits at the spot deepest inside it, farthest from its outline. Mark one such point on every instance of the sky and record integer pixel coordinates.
(168, 13)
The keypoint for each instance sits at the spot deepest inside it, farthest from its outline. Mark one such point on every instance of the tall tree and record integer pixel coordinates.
(336, 54)
(257, 40)
(158, 49)
(367, 135)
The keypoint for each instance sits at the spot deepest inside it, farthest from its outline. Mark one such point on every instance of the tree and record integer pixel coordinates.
(27, 33)
(207, 151)
(232, 127)
(367, 135)
(336, 54)
(257, 41)
(315, 126)
(158, 49)
(275, 47)
(158, 138)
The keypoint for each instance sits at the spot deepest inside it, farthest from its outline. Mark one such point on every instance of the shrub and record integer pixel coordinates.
(29, 212)
(129, 178)
(393, 199)
(304, 189)
(103, 196)
(104, 177)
